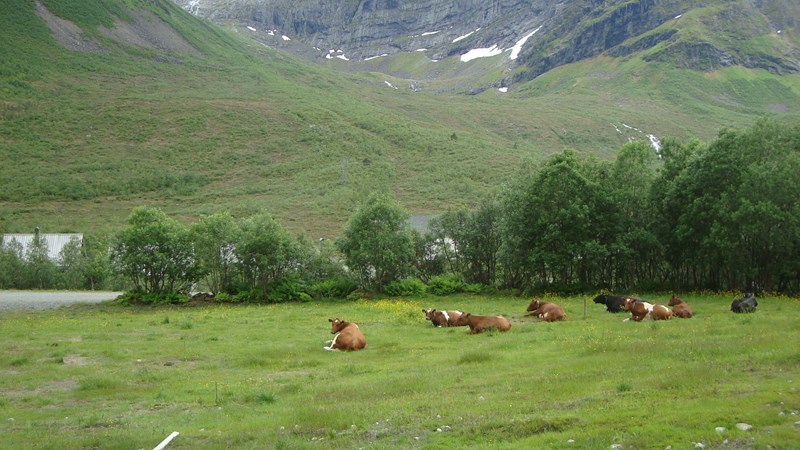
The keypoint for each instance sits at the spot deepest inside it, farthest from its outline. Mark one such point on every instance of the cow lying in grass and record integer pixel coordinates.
(640, 310)
(348, 336)
(479, 324)
(747, 304)
(548, 312)
(679, 307)
(442, 318)
(614, 303)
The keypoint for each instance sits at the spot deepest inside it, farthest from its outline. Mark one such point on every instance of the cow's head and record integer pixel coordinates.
(674, 300)
(601, 298)
(629, 304)
(534, 305)
(337, 325)
(429, 313)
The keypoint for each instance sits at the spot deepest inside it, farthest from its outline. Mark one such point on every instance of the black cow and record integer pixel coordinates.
(614, 303)
(747, 304)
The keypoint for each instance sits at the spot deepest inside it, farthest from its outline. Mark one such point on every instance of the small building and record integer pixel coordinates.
(55, 241)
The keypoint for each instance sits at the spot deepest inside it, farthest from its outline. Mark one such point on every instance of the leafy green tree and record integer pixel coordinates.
(72, 265)
(470, 241)
(11, 265)
(266, 253)
(667, 200)
(98, 273)
(377, 243)
(634, 249)
(734, 209)
(324, 261)
(156, 253)
(39, 271)
(549, 225)
(215, 238)
(429, 259)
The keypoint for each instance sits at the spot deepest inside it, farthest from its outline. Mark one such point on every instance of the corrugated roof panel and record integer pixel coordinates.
(55, 241)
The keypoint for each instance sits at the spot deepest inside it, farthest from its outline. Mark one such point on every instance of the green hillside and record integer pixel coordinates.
(205, 120)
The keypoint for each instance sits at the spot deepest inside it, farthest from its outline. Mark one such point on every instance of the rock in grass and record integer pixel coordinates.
(744, 426)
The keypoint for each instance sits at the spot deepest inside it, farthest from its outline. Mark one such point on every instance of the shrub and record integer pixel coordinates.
(249, 296)
(445, 285)
(288, 291)
(137, 297)
(224, 297)
(475, 288)
(405, 288)
(339, 287)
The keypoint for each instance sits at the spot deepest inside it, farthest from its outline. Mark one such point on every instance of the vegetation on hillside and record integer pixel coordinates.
(87, 137)
(721, 215)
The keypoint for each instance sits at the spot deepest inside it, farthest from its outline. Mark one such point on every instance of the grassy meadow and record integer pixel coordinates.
(223, 376)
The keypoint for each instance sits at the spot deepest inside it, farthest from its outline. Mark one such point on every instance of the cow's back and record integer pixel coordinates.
(661, 312)
(350, 338)
(550, 312)
(682, 310)
(479, 324)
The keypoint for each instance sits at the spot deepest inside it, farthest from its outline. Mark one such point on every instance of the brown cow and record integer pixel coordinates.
(680, 308)
(478, 324)
(442, 318)
(641, 310)
(548, 312)
(660, 312)
(348, 336)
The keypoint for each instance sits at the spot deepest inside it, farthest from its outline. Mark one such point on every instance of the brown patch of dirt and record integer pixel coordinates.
(146, 31)
(67, 33)
(76, 360)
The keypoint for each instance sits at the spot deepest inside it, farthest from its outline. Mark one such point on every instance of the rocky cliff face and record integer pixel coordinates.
(696, 34)
(372, 27)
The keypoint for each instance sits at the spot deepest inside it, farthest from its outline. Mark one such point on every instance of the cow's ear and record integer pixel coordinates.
(330, 320)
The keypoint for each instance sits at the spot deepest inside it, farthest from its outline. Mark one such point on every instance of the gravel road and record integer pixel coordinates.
(51, 299)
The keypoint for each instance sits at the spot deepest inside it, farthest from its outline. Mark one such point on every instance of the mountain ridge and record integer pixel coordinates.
(571, 31)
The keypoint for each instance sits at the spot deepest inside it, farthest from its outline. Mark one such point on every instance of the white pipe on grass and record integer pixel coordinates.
(166, 441)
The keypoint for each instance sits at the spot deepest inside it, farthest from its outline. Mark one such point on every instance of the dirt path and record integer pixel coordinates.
(51, 299)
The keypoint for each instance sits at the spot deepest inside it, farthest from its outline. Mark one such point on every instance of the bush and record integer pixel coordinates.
(249, 296)
(136, 297)
(475, 288)
(445, 285)
(339, 287)
(224, 297)
(358, 294)
(288, 291)
(405, 288)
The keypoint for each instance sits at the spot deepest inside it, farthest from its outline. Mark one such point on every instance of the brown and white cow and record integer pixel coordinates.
(641, 310)
(348, 336)
(548, 312)
(479, 324)
(442, 318)
(680, 308)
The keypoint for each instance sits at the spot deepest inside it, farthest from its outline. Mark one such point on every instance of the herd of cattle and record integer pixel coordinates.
(349, 337)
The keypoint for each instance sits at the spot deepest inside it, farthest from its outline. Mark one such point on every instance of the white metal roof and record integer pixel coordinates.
(55, 241)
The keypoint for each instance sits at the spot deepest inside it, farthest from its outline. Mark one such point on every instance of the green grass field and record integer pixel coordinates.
(257, 377)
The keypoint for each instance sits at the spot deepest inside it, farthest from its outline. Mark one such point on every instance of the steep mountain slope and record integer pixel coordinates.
(118, 104)
(534, 36)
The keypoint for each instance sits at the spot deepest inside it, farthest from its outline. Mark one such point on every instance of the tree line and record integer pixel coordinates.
(721, 216)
